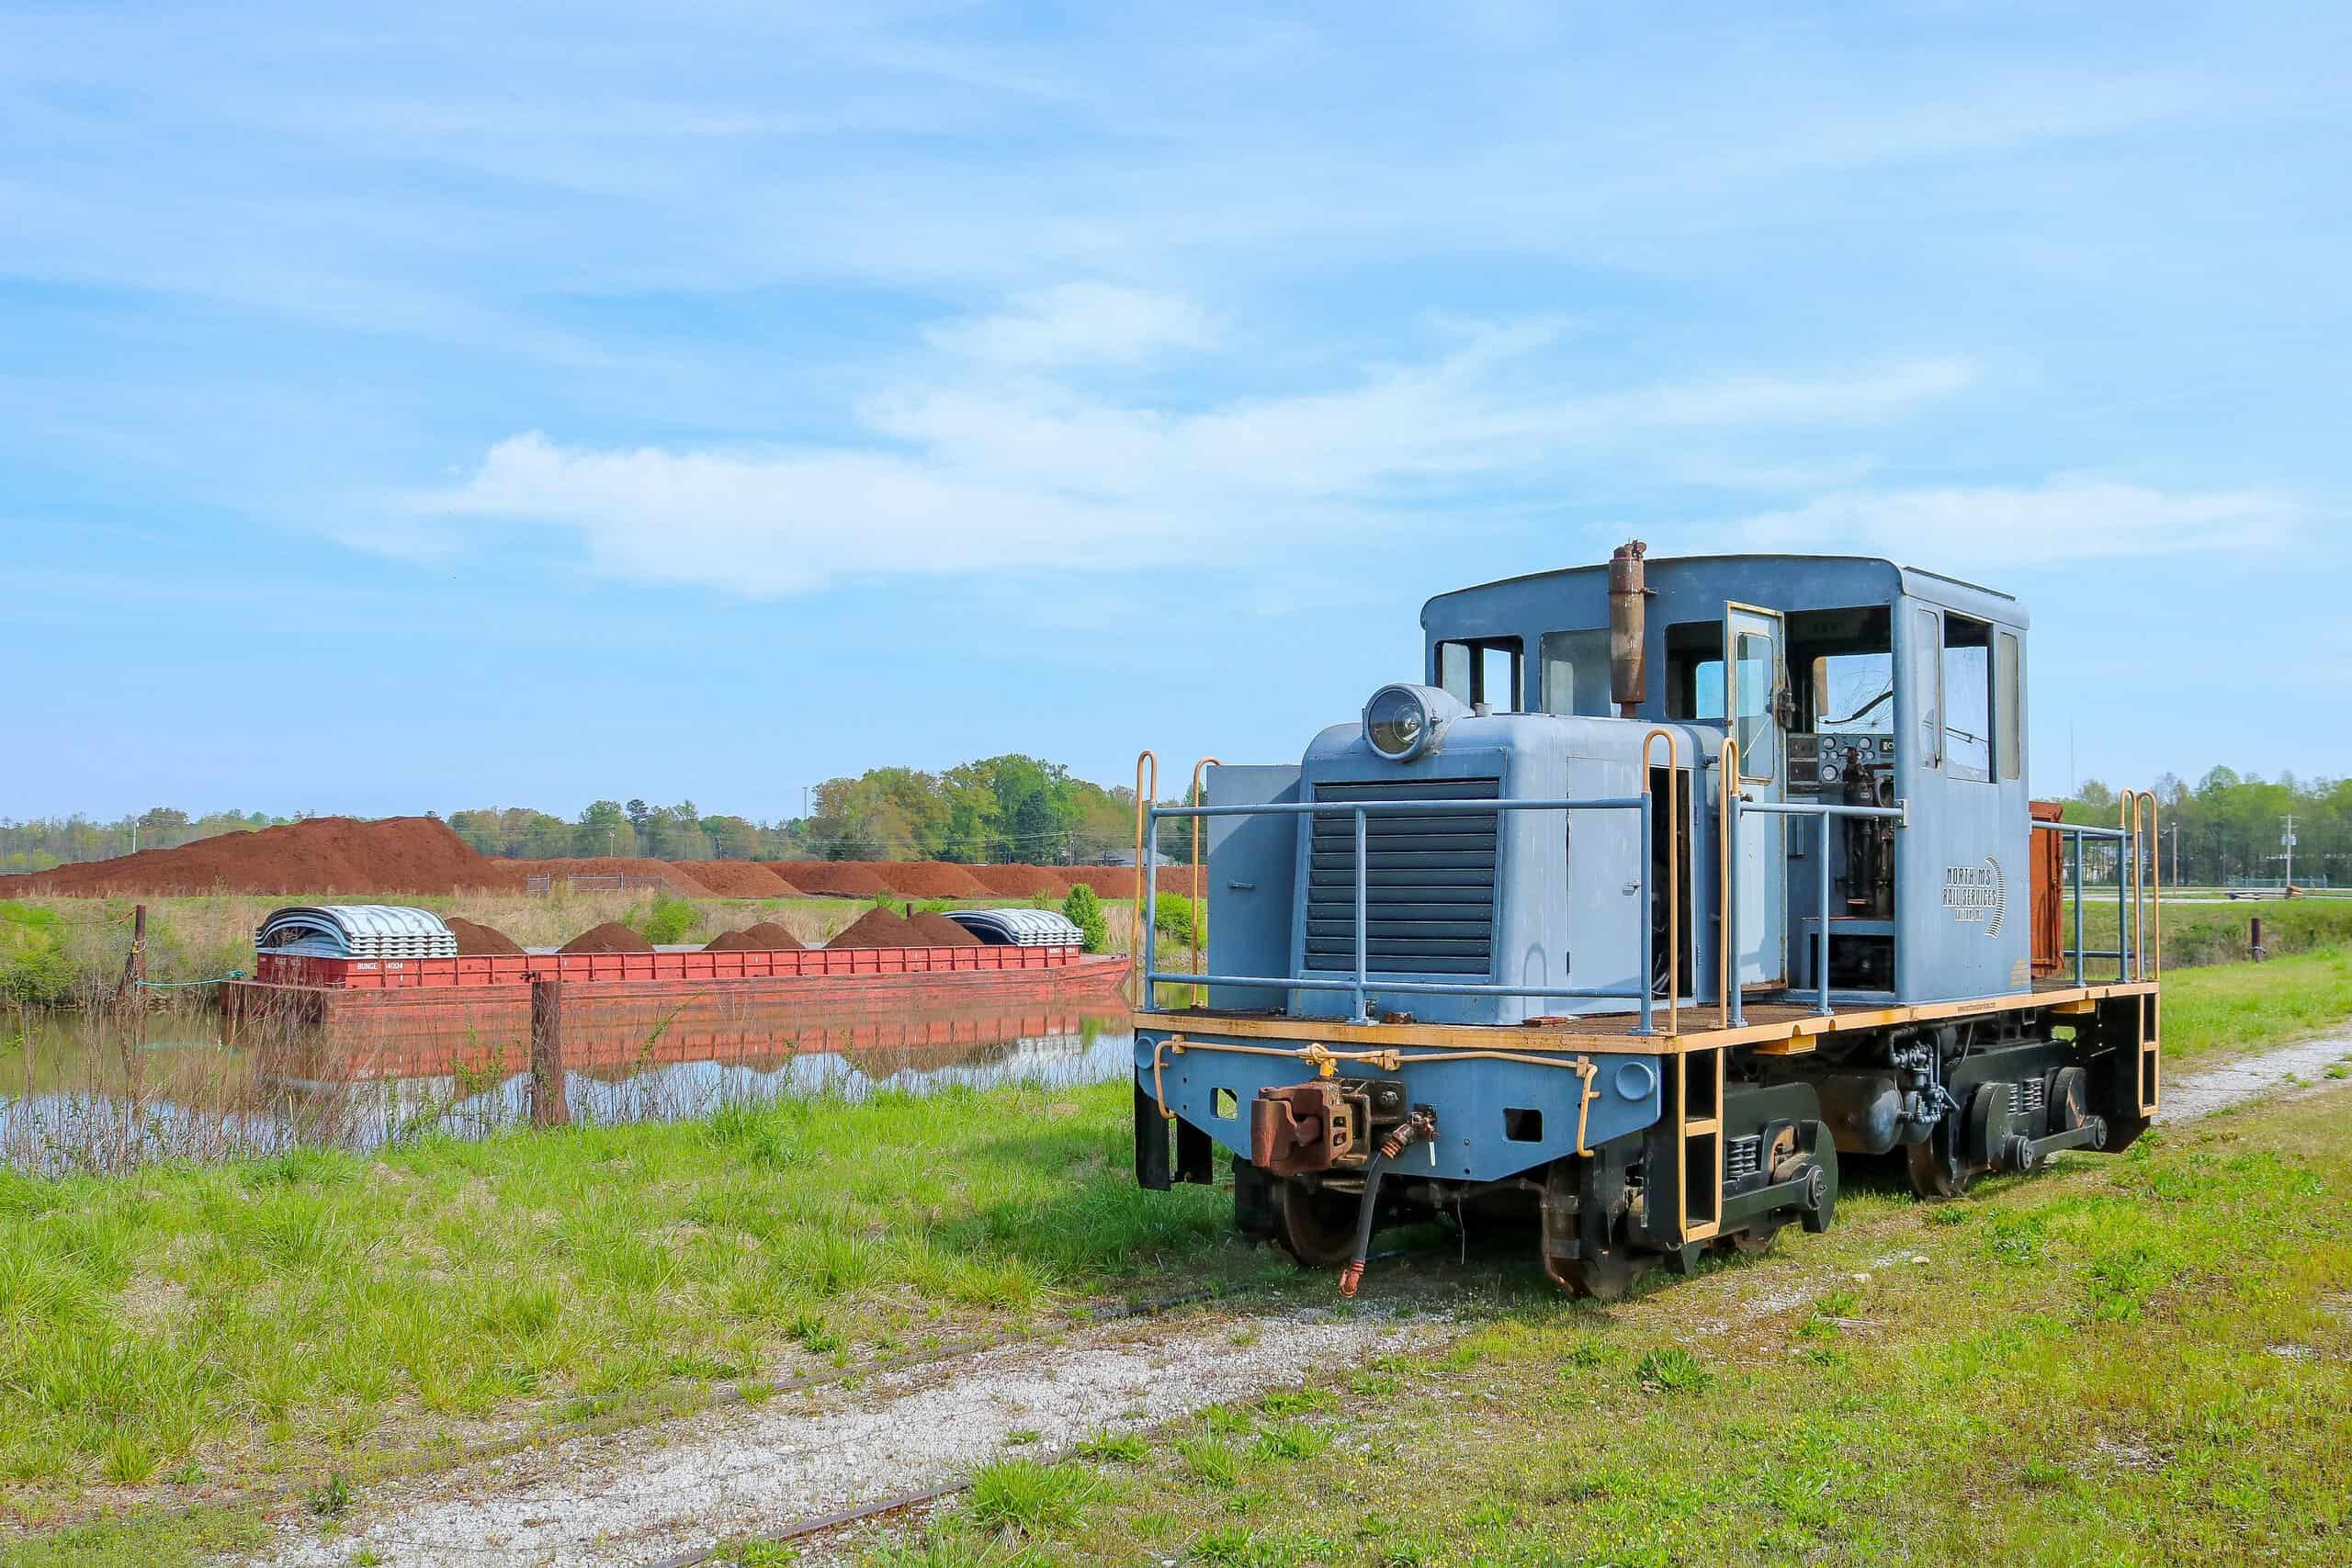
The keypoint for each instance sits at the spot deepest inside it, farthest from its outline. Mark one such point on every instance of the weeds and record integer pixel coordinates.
(1023, 1495)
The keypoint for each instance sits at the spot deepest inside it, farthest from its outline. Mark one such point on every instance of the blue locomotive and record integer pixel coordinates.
(1670, 883)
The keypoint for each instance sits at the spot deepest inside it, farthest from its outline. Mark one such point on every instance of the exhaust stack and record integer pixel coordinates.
(1628, 628)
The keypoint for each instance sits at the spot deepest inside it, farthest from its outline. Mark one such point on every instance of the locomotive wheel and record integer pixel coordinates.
(1936, 1172)
(2069, 1099)
(1316, 1228)
(1756, 1240)
(1607, 1279)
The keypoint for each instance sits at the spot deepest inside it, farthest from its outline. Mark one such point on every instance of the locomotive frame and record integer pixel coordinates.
(1360, 1043)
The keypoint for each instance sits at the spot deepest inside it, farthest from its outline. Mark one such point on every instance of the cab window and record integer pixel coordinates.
(1968, 697)
(1576, 673)
(1484, 670)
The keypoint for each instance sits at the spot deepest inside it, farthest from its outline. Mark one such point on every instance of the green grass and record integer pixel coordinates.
(2232, 1008)
(264, 1325)
(2199, 935)
(2136, 1359)
(256, 1323)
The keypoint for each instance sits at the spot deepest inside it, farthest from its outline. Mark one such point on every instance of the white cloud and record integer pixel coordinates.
(1076, 323)
(2067, 518)
(984, 472)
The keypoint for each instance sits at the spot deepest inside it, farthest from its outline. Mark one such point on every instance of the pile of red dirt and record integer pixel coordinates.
(773, 937)
(610, 937)
(324, 854)
(836, 879)
(1020, 881)
(736, 878)
(1119, 881)
(765, 937)
(880, 927)
(634, 871)
(480, 942)
(931, 879)
(938, 931)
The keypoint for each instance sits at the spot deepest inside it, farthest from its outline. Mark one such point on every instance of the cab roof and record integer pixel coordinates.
(1807, 582)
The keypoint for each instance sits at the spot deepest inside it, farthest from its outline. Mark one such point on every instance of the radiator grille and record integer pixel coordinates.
(1429, 886)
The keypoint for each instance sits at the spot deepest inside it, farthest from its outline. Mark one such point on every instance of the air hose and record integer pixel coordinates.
(1419, 1127)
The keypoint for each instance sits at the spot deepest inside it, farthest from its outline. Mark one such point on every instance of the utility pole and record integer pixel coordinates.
(2176, 851)
(2287, 842)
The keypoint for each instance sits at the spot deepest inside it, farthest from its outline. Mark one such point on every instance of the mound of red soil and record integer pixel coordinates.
(879, 928)
(1020, 881)
(323, 855)
(735, 878)
(836, 879)
(938, 931)
(765, 937)
(610, 937)
(1119, 881)
(480, 942)
(931, 879)
(773, 938)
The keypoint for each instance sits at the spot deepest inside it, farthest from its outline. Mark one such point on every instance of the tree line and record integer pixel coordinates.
(997, 810)
(2227, 826)
(1014, 807)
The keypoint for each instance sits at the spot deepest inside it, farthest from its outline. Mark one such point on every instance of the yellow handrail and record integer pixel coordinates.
(2144, 824)
(1146, 794)
(1724, 960)
(1673, 867)
(1199, 829)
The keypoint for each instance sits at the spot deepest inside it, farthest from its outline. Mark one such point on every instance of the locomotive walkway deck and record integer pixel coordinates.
(1774, 1027)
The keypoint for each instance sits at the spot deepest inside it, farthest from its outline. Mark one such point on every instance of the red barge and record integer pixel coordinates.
(324, 1015)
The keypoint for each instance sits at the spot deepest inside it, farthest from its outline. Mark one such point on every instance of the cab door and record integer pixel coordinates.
(1755, 688)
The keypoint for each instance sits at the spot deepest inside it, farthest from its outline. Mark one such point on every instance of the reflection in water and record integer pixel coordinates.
(86, 1093)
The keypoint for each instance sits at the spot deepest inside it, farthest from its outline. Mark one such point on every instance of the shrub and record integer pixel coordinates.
(669, 919)
(1084, 910)
(1172, 913)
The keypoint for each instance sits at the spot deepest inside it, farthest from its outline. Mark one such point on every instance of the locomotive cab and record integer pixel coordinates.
(1668, 881)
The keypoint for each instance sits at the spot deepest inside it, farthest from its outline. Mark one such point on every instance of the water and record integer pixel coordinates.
(82, 1092)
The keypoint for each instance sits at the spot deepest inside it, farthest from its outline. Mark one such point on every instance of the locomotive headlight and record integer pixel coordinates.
(1398, 722)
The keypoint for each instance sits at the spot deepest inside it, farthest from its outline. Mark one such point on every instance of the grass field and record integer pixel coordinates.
(188, 1328)
(272, 1323)
(2202, 934)
(2137, 1360)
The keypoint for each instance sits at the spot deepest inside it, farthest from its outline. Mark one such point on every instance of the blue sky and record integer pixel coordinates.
(500, 405)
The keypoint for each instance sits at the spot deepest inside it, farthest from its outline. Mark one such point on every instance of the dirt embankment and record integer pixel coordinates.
(338, 856)
(1021, 881)
(837, 879)
(1120, 881)
(323, 854)
(738, 878)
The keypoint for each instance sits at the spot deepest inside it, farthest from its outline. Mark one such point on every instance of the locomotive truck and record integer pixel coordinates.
(1669, 884)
